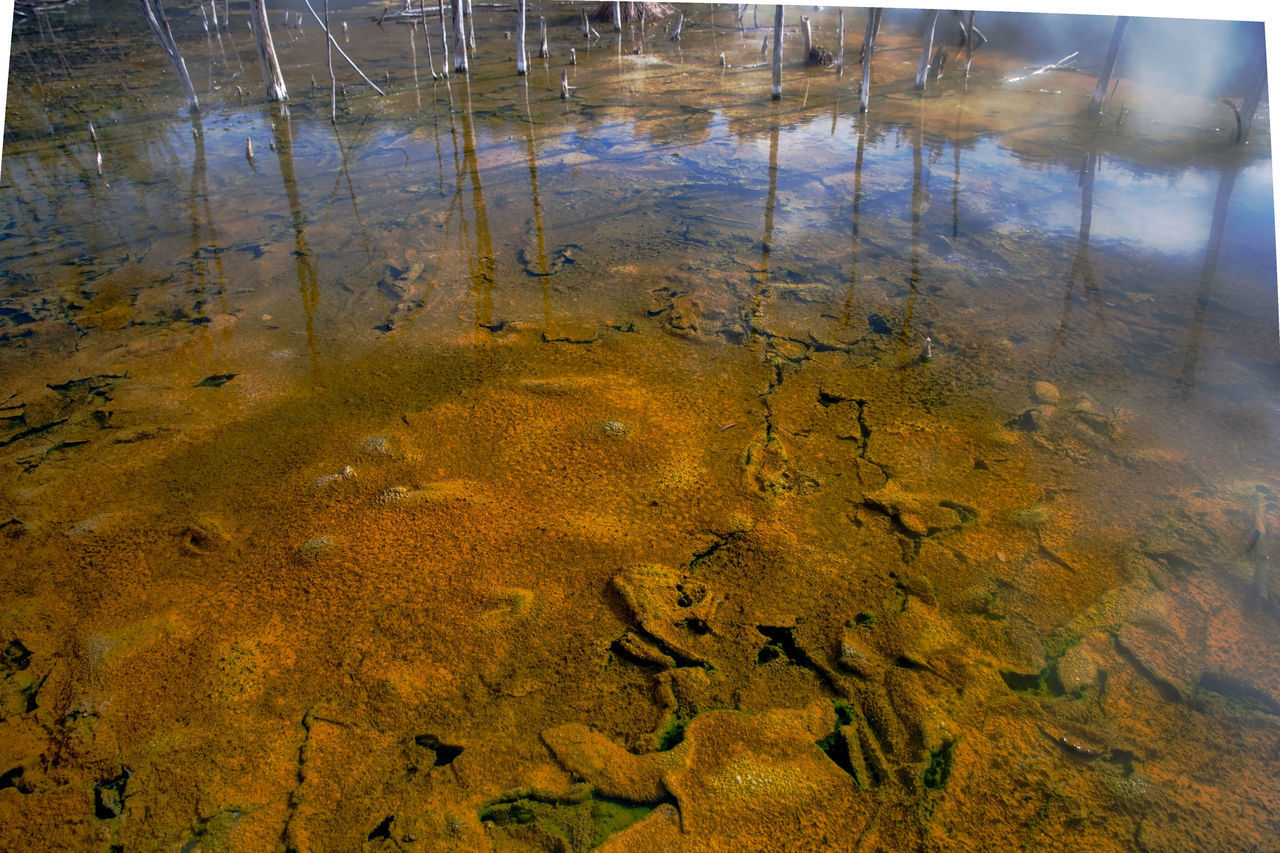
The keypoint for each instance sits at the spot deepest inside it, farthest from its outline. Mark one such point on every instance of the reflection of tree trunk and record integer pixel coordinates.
(271, 75)
(1108, 67)
(857, 217)
(304, 262)
(159, 24)
(955, 189)
(537, 214)
(1081, 265)
(1217, 228)
(919, 195)
(200, 198)
(351, 191)
(483, 267)
(766, 245)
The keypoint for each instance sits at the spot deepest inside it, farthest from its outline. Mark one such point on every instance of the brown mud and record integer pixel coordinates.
(511, 474)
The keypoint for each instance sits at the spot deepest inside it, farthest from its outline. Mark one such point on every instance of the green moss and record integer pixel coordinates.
(673, 734)
(610, 816)
(578, 821)
(939, 770)
(835, 745)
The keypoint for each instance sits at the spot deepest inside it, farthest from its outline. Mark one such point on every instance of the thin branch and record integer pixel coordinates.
(341, 51)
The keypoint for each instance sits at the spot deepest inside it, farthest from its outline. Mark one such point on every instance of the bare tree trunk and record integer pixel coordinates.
(544, 50)
(444, 44)
(840, 45)
(926, 50)
(968, 43)
(426, 37)
(459, 38)
(328, 55)
(1108, 67)
(522, 58)
(617, 16)
(776, 92)
(868, 47)
(154, 13)
(1250, 105)
(271, 75)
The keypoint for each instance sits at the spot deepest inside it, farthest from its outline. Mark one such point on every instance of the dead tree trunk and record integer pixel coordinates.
(868, 47)
(969, 32)
(840, 45)
(459, 38)
(328, 55)
(154, 13)
(444, 43)
(926, 50)
(1250, 105)
(1108, 67)
(776, 92)
(522, 58)
(271, 75)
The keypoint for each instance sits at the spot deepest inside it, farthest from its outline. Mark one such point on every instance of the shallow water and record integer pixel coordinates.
(492, 470)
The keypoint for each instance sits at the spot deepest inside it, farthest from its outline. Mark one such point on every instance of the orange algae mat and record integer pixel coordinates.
(634, 535)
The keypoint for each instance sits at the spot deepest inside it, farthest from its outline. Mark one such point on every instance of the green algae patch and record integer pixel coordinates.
(844, 716)
(939, 770)
(578, 820)
(672, 735)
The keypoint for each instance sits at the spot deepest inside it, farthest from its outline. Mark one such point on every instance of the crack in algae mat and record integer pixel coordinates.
(659, 468)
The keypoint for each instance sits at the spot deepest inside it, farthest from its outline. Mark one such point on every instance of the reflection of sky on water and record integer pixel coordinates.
(1161, 211)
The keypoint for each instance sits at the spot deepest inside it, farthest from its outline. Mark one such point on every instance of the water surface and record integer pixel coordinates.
(661, 467)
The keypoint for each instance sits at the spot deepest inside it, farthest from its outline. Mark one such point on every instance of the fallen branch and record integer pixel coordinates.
(340, 50)
(1066, 63)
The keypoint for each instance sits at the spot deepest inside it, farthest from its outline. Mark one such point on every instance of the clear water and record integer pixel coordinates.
(394, 481)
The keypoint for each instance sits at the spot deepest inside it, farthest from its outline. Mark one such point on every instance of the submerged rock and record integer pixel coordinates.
(327, 480)
(377, 445)
(1078, 668)
(662, 604)
(1045, 392)
(612, 770)
(315, 550)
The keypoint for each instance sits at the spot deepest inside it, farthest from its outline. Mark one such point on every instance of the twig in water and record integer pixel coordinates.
(1063, 64)
(340, 50)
